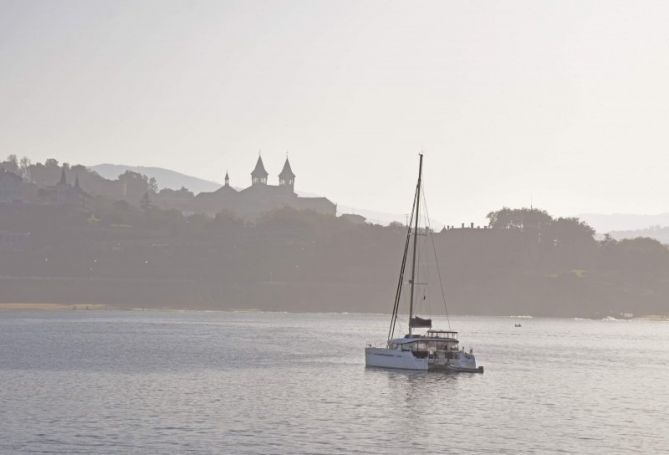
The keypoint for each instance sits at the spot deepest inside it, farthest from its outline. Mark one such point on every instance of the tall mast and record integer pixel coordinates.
(415, 240)
(398, 293)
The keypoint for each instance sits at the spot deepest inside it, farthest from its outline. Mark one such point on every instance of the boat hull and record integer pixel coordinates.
(406, 360)
(395, 359)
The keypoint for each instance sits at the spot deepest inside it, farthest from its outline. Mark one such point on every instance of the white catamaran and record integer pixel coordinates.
(433, 350)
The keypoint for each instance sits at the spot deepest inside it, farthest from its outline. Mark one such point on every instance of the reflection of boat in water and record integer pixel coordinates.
(436, 350)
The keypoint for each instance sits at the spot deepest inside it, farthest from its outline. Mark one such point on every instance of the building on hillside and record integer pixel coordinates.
(261, 197)
(64, 194)
(10, 187)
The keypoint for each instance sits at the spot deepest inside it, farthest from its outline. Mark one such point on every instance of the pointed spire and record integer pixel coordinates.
(259, 170)
(227, 179)
(287, 176)
(286, 172)
(63, 178)
(259, 174)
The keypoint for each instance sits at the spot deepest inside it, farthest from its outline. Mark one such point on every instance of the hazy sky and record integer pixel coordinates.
(562, 103)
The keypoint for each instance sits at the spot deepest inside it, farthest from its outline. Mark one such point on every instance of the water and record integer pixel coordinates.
(264, 383)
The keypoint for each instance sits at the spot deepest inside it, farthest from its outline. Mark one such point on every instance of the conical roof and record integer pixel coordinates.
(259, 171)
(286, 172)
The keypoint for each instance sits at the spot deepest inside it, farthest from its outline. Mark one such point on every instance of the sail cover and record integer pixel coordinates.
(417, 322)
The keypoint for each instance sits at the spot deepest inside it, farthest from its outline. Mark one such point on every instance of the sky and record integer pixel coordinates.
(560, 104)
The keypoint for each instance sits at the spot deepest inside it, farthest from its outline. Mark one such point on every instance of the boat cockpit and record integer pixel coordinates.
(427, 345)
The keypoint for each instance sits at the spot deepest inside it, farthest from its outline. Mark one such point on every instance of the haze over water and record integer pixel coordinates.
(262, 383)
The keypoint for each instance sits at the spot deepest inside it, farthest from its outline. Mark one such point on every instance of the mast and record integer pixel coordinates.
(415, 240)
(398, 293)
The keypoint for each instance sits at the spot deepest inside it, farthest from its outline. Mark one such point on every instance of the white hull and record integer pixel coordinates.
(394, 358)
(460, 362)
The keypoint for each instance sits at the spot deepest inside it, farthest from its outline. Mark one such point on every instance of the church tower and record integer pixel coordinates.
(259, 174)
(287, 177)
(227, 179)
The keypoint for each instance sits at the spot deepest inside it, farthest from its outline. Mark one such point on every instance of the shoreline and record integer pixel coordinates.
(51, 306)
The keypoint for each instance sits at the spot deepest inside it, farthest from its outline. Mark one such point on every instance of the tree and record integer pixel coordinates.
(571, 231)
(25, 167)
(642, 255)
(12, 164)
(145, 203)
(182, 193)
(227, 219)
(134, 184)
(523, 219)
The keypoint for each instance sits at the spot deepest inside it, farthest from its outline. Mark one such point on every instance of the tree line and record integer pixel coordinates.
(137, 254)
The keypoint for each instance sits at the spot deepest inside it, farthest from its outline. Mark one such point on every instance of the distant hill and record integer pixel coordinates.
(661, 234)
(605, 223)
(166, 178)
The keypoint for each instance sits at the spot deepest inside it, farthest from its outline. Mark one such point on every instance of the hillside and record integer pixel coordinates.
(166, 178)
(525, 262)
(609, 222)
(661, 234)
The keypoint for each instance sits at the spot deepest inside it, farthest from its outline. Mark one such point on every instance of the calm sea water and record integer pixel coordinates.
(262, 383)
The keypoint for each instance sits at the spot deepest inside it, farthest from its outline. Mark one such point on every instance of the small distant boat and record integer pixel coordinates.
(517, 324)
(434, 350)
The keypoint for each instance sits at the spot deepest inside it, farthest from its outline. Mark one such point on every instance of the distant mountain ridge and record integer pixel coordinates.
(604, 223)
(661, 234)
(166, 178)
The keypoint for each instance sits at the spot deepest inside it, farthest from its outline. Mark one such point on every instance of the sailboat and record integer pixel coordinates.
(432, 350)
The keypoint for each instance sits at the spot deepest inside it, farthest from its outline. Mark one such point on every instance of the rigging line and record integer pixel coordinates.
(398, 292)
(427, 303)
(436, 260)
(422, 277)
(424, 264)
(398, 295)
